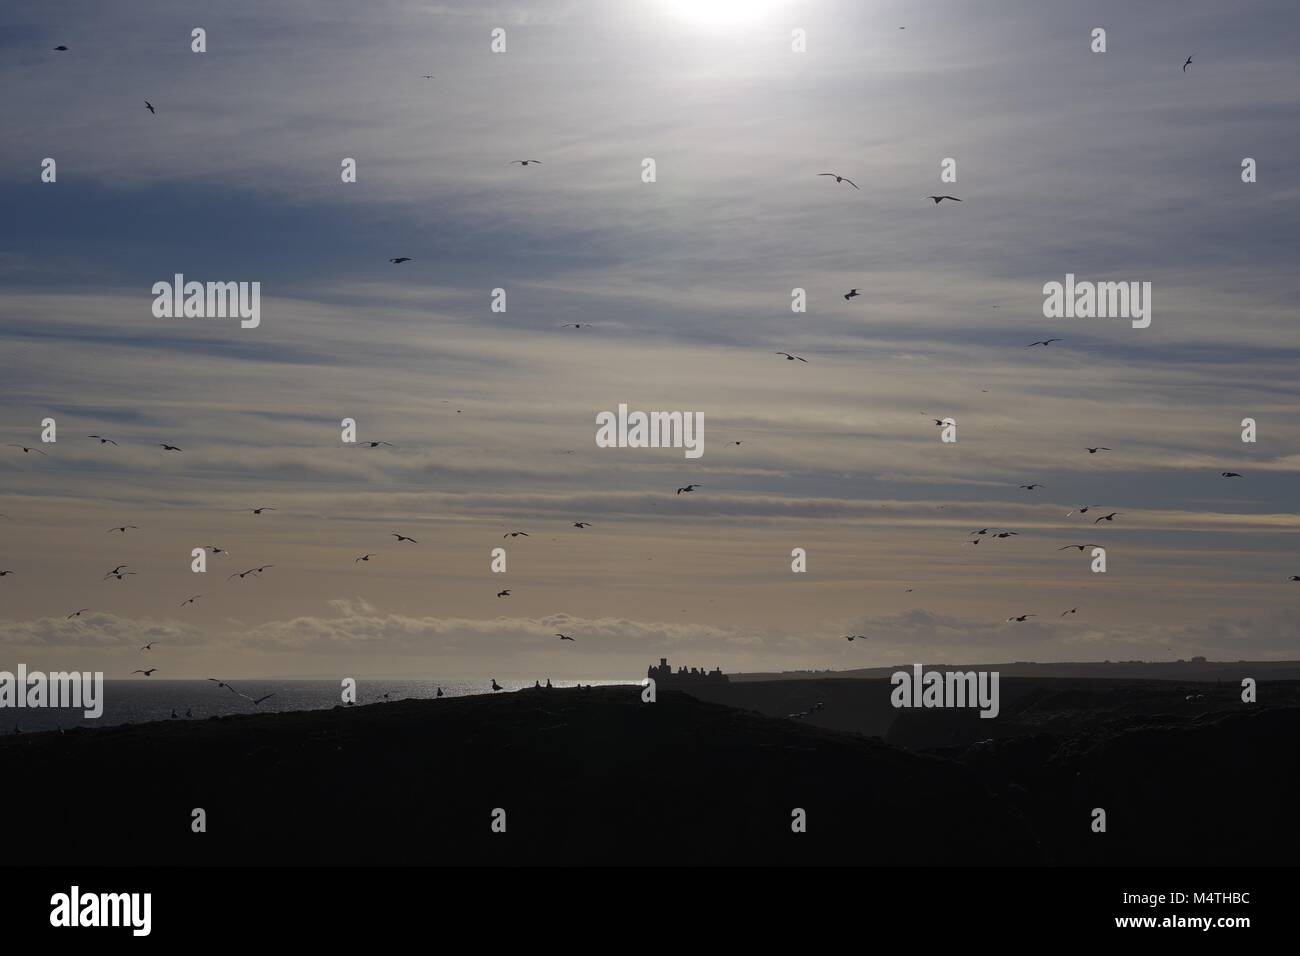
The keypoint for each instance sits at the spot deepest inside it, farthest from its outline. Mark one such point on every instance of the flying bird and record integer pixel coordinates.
(123, 528)
(1082, 511)
(1109, 517)
(149, 646)
(1188, 63)
(427, 76)
(687, 488)
(790, 357)
(402, 537)
(523, 162)
(1073, 610)
(1230, 474)
(376, 444)
(939, 199)
(103, 440)
(364, 557)
(149, 107)
(26, 449)
(166, 447)
(118, 574)
(1093, 451)
(1032, 487)
(3, 573)
(399, 260)
(1022, 617)
(840, 179)
(77, 613)
(564, 637)
(117, 569)
(146, 673)
(259, 699)
(1043, 342)
(582, 524)
(191, 599)
(855, 637)
(516, 534)
(61, 48)
(575, 325)
(1081, 547)
(851, 294)
(1294, 577)
(505, 593)
(215, 550)
(243, 574)
(258, 511)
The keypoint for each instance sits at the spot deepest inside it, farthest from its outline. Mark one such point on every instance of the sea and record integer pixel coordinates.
(144, 700)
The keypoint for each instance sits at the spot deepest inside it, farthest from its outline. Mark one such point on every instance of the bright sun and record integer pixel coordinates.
(719, 12)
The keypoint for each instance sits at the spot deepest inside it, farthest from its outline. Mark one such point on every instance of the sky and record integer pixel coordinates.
(1111, 166)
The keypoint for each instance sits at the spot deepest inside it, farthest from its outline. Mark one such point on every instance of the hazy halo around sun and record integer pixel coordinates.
(721, 12)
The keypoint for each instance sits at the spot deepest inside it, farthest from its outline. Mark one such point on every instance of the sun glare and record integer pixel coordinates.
(721, 12)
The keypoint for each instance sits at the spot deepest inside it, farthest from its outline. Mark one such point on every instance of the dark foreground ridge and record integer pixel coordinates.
(598, 776)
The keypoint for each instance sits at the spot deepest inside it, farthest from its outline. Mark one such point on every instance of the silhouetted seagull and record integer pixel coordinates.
(119, 574)
(26, 449)
(117, 569)
(191, 599)
(840, 179)
(364, 557)
(1044, 342)
(265, 697)
(149, 107)
(123, 528)
(524, 162)
(3, 573)
(149, 646)
(1073, 610)
(1022, 617)
(215, 550)
(505, 593)
(397, 261)
(258, 511)
(1294, 577)
(851, 294)
(376, 444)
(77, 613)
(1109, 517)
(439, 694)
(103, 440)
(61, 49)
(166, 447)
(1082, 511)
(855, 637)
(1032, 487)
(582, 524)
(1093, 451)
(1230, 474)
(1004, 534)
(790, 357)
(687, 488)
(427, 76)
(1081, 547)
(495, 685)
(402, 537)
(1188, 63)
(243, 574)
(939, 199)
(564, 637)
(516, 534)
(575, 325)
(146, 673)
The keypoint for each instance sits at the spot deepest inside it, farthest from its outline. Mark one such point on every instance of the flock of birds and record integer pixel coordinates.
(121, 572)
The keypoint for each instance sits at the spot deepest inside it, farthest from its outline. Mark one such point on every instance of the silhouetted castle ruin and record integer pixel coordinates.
(663, 675)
